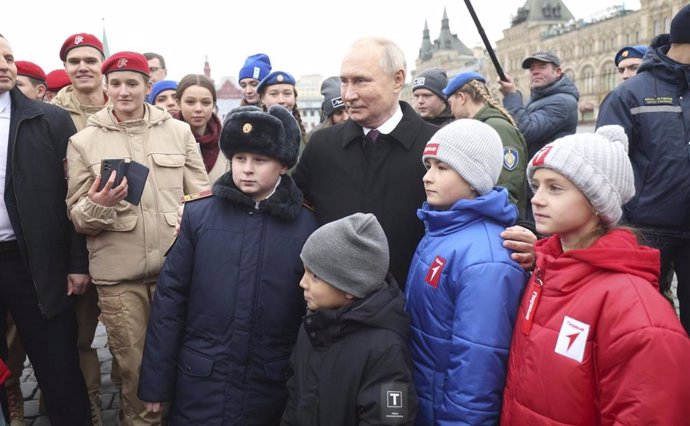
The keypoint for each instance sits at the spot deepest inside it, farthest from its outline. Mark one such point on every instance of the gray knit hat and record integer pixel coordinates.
(434, 79)
(597, 163)
(471, 148)
(332, 101)
(350, 254)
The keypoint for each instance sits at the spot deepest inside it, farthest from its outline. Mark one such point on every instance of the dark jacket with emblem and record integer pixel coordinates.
(227, 309)
(513, 174)
(35, 190)
(348, 360)
(337, 178)
(654, 110)
(462, 296)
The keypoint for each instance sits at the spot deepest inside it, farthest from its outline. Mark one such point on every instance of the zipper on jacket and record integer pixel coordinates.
(26, 239)
(534, 294)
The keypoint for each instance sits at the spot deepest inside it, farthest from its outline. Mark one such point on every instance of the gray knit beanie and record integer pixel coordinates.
(471, 148)
(332, 101)
(350, 254)
(597, 163)
(434, 79)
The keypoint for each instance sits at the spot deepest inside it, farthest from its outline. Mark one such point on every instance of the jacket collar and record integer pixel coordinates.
(285, 203)
(404, 133)
(22, 105)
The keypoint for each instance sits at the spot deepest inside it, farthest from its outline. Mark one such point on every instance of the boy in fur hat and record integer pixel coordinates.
(228, 306)
(351, 363)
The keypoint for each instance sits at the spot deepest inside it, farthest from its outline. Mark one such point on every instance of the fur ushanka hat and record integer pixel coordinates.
(274, 133)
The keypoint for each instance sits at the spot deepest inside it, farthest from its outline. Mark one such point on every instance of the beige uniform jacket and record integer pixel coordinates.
(127, 242)
(80, 114)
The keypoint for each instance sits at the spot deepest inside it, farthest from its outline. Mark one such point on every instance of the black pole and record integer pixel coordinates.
(487, 44)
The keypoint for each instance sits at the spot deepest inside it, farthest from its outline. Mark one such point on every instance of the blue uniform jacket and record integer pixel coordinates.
(654, 110)
(228, 308)
(462, 295)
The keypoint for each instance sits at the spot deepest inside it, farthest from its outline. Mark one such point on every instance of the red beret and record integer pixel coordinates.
(126, 61)
(29, 69)
(56, 80)
(80, 40)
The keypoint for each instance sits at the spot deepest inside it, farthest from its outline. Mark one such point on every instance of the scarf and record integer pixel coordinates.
(209, 141)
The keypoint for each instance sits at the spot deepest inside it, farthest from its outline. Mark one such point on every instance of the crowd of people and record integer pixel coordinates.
(463, 260)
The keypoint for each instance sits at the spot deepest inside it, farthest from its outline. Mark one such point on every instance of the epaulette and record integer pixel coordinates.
(195, 196)
(308, 205)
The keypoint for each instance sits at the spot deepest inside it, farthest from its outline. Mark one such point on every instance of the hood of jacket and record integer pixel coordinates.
(105, 119)
(665, 68)
(494, 205)
(285, 203)
(381, 309)
(616, 251)
(562, 85)
(66, 99)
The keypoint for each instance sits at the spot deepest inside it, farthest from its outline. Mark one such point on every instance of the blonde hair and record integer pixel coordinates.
(479, 93)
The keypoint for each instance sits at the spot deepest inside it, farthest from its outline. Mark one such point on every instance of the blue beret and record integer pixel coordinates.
(256, 66)
(160, 86)
(276, 77)
(631, 52)
(460, 80)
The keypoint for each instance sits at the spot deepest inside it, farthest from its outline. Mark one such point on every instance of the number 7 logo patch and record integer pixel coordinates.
(434, 274)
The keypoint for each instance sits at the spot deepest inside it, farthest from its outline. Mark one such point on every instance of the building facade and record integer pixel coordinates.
(586, 46)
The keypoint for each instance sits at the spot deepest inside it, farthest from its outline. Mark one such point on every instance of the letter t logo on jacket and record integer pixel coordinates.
(434, 274)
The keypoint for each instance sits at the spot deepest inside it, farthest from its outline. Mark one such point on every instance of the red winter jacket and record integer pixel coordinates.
(600, 345)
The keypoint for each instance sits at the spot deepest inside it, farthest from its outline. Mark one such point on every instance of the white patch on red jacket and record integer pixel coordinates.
(572, 339)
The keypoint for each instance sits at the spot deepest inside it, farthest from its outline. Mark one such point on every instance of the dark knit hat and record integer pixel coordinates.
(126, 61)
(29, 69)
(274, 133)
(680, 26)
(460, 80)
(57, 79)
(256, 66)
(332, 101)
(350, 254)
(80, 40)
(548, 57)
(434, 79)
(160, 86)
(628, 52)
(276, 77)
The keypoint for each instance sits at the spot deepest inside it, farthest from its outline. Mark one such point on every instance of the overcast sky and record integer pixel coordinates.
(300, 36)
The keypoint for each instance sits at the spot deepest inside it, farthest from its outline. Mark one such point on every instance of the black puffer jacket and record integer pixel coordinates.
(352, 366)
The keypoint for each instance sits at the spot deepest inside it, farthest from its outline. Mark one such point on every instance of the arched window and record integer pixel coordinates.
(588, 82)
(609, 77)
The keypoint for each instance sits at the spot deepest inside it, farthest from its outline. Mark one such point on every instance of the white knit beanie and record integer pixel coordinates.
(471, 148)
(597, 163)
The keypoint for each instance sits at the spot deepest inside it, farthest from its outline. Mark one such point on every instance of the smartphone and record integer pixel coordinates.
(107, 168)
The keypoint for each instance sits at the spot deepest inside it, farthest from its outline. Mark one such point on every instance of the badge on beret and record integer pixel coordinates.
(280, 77)
(419, 81)
(122, 63)
(511, 158)
(625, 53)
(247, 128)
(78, 39)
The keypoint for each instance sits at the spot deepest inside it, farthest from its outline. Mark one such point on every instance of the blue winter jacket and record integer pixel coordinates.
(462, 295)
(550, 113)
(654, 110)
(228, 308)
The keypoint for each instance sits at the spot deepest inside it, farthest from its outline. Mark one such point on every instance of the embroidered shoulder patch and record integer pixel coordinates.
(511, 158)
(433, 276)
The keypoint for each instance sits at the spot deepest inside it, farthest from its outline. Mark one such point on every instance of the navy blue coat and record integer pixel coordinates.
(654, 110)
(227, 309)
